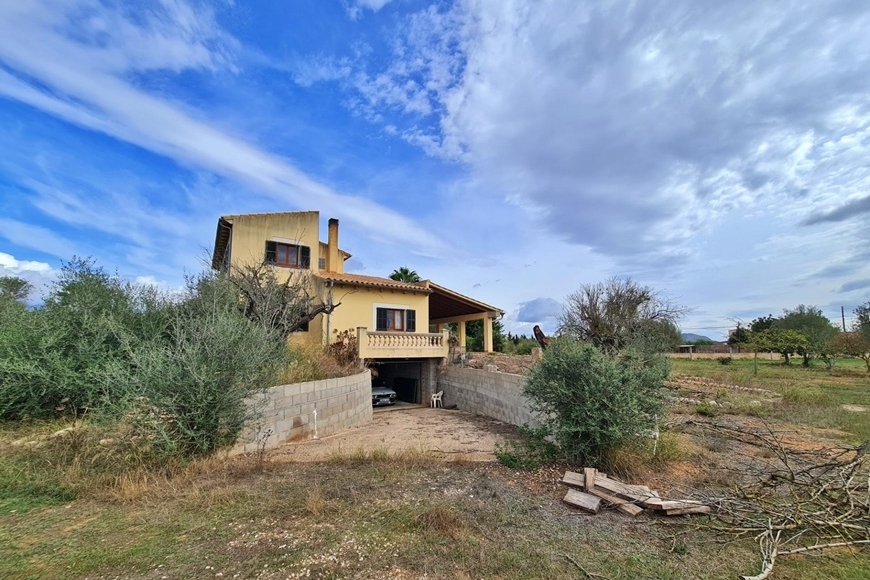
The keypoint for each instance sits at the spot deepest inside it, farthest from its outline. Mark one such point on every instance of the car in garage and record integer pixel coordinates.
(382, 395)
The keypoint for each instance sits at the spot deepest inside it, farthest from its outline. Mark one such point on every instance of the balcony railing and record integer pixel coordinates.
(402, 344)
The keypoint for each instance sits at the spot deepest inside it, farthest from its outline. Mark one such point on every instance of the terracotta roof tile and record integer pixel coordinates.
(372, 282)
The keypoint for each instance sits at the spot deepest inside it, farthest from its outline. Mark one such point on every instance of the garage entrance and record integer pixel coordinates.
(404, 377)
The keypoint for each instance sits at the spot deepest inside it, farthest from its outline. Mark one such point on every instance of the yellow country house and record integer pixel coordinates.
(400, 327)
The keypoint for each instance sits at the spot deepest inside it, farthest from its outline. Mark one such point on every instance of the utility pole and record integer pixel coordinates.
(843, 316)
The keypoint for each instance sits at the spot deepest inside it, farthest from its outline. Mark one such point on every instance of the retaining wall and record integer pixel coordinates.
(494, 394)
(288, 410)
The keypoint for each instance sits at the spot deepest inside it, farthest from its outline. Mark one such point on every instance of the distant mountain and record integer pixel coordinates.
(689, 337)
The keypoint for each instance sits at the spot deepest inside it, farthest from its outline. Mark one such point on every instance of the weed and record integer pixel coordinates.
(708, 409)
(639, 457)
(531, 450)
(315, 502)
(442, 520)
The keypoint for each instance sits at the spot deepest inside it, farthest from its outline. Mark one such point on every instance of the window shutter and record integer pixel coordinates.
(382, 319)
(411, 320)
(271, 251)
(304, 257)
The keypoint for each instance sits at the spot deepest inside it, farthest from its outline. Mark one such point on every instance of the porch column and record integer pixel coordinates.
(461, 325)
(487, 334)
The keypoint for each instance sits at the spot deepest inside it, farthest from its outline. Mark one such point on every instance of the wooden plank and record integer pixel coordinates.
(574, 479)
(582, 500)
(659, 504)
(589, 474)
(620, 490)
(620, 504)
(701, 509)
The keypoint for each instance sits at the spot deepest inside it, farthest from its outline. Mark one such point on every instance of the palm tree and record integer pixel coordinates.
(404, 274)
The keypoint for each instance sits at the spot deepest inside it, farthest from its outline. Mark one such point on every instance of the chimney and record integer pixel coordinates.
(333, 261)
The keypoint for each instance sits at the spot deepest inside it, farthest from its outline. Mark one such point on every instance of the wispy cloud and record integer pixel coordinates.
(855, 285)
(54, 65)
(355, 8)
(631, 127)
(846, 211)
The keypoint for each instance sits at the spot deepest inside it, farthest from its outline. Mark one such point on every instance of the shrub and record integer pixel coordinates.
(592, 402)
(176, 370)
(197, 377)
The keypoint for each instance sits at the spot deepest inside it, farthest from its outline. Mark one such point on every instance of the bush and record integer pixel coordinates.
(592, 402)
(198, 375)
(176, 369)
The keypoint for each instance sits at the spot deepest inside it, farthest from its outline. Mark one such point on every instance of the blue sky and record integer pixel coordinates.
(510, 150)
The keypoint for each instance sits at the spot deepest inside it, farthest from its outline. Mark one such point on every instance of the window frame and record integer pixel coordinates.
(302, 253)
(387, 314)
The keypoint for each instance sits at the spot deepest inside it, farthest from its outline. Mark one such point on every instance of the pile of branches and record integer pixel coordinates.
(795, 501)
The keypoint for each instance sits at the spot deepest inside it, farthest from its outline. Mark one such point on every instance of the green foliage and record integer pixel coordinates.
(708, 409)
(592, 401)
(109, 348)
(762, 323)
(740, 336)
(785, 342)
(14, 288)
(621, 314)
(815, 327)
(474, 336)
(531, 451)
(520, 346)
(405, 274)
(198, 375)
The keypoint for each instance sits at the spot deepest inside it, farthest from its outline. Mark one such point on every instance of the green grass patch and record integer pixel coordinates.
(811, 396)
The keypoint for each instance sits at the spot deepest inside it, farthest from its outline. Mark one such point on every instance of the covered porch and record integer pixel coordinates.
(447, 306)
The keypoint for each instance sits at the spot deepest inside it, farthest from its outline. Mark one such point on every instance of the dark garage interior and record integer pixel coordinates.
(403, 377)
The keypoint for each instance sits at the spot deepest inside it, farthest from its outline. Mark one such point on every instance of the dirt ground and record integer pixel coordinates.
(450, 433)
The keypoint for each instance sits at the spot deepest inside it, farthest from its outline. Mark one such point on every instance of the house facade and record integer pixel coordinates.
(400, 327)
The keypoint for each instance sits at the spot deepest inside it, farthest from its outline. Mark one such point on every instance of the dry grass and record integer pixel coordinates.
(312, 363)
(442, 520)
(315, 502)
(382, 455)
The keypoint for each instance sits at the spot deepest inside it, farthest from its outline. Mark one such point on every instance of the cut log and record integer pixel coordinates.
(620, 504)
(659, 504)
(621, 490)
(582, 500)
(701, 509)
(574, 479)
(589, 474)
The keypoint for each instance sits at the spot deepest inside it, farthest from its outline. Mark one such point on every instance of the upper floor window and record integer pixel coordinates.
(396, 320)
(288, 255)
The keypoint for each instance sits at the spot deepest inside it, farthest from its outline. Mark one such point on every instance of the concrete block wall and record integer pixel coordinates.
(494, 394)
(288, 411)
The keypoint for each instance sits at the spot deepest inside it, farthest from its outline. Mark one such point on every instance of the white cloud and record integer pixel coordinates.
(631, 127)
(37, 273)
(93, 85)
(356, 7)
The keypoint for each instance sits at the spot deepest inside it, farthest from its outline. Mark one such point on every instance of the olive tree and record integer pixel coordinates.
(815, 327)
(618, 314)
(15, 288)
(601, 382)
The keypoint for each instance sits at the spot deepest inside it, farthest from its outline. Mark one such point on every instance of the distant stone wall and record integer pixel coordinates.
(288, 410)
(708, 355)
(494, 394)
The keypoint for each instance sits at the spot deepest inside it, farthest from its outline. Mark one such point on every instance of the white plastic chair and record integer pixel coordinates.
(436, 399)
